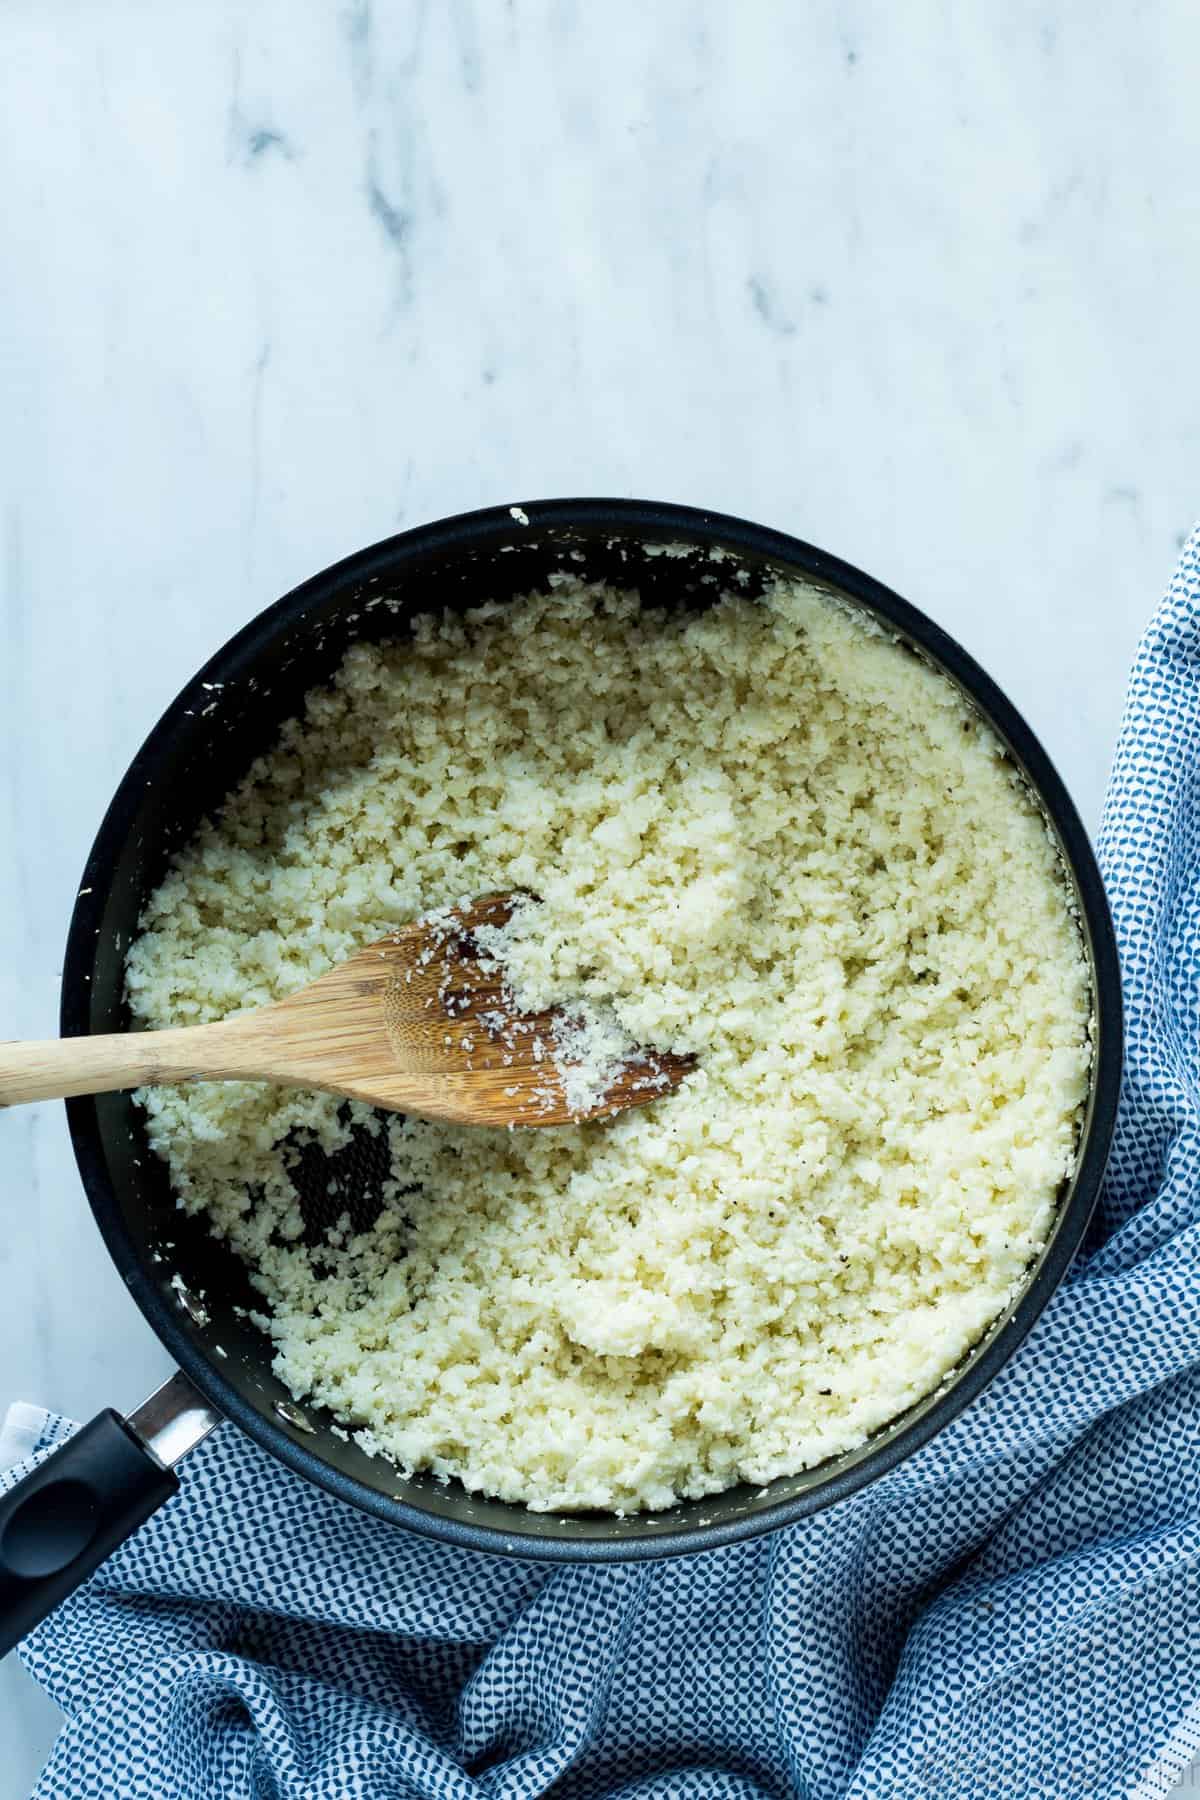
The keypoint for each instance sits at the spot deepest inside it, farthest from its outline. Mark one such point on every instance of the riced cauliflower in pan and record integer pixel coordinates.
(766, 834)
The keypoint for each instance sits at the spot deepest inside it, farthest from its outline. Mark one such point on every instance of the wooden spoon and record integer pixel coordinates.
(420, 1022)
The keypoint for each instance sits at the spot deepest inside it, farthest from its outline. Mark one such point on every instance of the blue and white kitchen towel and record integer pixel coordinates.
(1013, 1612)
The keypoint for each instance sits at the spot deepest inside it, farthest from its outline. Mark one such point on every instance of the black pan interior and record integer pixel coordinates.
(230, 714)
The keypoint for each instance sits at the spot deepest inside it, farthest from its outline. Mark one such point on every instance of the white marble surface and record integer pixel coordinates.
(916, 282)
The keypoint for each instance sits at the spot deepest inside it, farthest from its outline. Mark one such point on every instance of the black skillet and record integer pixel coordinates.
(59, 1524)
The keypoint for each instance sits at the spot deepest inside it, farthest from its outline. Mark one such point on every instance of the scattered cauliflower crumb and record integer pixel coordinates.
(766, 835)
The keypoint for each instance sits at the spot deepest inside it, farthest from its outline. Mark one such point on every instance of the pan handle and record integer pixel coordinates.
(60, 1523)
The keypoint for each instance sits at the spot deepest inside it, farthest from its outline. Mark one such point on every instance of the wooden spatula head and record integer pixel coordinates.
(423, 1021)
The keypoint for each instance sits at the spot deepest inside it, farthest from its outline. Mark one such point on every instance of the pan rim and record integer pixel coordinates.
(626, 518)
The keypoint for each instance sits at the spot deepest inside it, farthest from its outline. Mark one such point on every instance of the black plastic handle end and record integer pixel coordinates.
(77, 1507)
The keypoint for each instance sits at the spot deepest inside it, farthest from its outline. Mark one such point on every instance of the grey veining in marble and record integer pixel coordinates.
(916, 282)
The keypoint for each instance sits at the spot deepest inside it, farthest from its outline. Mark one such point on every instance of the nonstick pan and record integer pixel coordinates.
(60, 1523)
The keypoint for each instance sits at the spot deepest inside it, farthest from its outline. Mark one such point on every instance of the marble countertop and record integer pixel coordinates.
(916, 283)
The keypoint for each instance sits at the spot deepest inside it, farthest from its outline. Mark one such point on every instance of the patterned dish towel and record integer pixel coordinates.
(1015, 1611)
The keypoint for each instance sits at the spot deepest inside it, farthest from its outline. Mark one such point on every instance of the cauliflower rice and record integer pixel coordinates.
(766, 834)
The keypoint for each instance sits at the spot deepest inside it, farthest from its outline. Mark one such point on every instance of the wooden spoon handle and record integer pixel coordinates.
(58, 1067)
